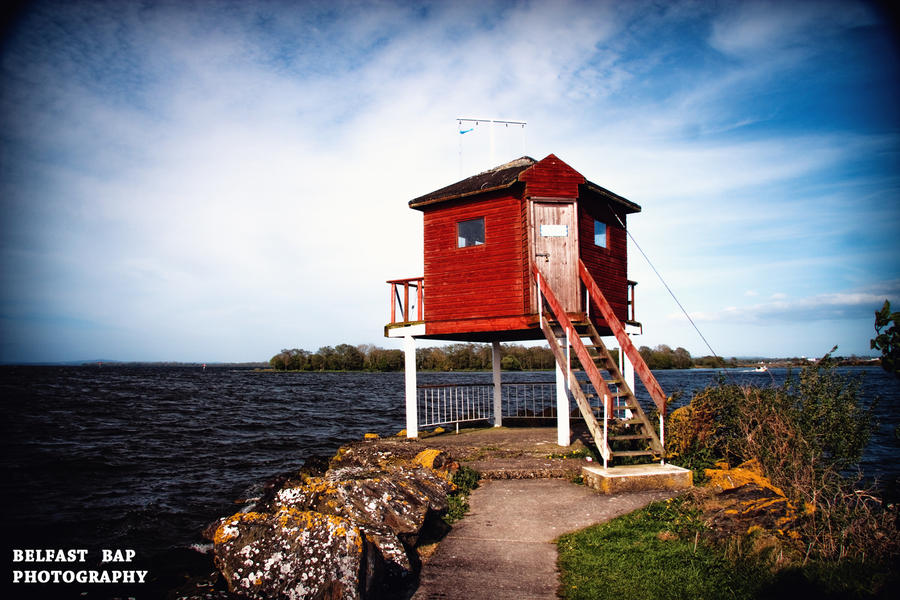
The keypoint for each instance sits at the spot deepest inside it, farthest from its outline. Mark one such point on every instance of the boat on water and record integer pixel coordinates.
(761, 369)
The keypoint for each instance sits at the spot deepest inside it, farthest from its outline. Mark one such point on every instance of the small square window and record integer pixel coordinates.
(470, 233)
(599, 234)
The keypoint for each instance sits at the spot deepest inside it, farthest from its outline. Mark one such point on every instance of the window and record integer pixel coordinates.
(599, 234)
(470, 233)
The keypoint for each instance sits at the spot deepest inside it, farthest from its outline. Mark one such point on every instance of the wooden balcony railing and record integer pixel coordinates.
(402, 300)
(630, 318)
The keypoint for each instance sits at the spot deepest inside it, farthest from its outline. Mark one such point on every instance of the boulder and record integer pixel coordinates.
(746, 500)
(291, 554)
(390, 507)
(341, 533)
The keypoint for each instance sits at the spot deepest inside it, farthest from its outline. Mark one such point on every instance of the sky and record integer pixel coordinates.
(215, 181)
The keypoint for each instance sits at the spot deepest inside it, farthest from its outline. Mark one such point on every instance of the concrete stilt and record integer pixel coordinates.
(412, 418)
(562, 408)
(498, 389)
(627, 370)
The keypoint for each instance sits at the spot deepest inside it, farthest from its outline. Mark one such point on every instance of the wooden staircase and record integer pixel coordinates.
(631, 433)
(614, 417)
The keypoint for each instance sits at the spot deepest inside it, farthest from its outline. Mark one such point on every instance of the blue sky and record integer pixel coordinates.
(215, 181)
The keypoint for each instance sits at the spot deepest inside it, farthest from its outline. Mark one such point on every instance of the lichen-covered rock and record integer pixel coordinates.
(363, 516)
(746, 500)
(390, 507)
(432, 458)
(291, 554)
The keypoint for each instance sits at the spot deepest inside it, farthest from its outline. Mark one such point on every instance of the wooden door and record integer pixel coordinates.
(554, 236)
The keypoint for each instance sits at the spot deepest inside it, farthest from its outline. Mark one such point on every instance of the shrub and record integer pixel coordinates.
(807, 435)
(465, 479)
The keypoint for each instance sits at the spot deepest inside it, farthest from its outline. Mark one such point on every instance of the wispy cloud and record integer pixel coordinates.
(821, 307)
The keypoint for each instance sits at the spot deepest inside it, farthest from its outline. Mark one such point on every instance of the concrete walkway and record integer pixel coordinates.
(503, 548)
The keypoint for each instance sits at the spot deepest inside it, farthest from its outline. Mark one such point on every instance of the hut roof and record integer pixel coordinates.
(504, 176)
(493, 179)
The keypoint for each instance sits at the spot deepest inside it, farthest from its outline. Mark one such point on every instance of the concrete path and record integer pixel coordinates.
(503, 548)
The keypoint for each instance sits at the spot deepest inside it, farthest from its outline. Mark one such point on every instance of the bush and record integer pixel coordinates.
(510, 363)
(465, 479)
(887, 338)
(808, 435)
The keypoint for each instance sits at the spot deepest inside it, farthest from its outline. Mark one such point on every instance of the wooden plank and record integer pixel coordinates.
(479, 325)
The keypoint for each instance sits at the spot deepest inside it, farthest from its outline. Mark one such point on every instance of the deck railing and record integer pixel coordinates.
(402, 300)
(630, 315)
(444, 404)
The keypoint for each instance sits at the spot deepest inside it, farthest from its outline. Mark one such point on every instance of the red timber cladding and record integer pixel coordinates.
(551, 178)
(478, 281)
(608, 266)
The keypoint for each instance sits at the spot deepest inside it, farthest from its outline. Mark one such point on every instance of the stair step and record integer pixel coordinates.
(611, 382)
(619, 394)
(614, 438)
(633, 453)
(619, 408)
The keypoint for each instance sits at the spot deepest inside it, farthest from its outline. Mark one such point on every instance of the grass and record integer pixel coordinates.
(659, 553)
(649, 554)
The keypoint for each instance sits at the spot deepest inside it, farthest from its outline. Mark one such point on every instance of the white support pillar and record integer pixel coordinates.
(412, 418)
(627, 370)
(498, 388)
(562, 407)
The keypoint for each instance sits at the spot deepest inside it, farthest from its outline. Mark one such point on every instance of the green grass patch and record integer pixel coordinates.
(465, 479)
(659, 553)
(654, 553)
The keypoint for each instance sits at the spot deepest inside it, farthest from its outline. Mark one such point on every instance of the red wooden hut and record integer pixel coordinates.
(529, 250)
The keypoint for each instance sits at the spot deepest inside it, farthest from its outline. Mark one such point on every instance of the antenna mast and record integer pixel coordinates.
(492, 122)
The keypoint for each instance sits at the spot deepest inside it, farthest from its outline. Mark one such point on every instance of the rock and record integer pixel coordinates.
(391, 507)
(746, 501)
(291, 554)
(378, 496)
(431, 458)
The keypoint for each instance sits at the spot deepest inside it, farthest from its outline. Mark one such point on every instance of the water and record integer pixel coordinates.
(146, 458)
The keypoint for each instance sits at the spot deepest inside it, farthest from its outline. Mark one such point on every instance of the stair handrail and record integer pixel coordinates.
(584, 357)
(640, 367)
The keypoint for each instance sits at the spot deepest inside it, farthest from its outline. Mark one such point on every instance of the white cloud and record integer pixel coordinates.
(820, 307)
(772, 27)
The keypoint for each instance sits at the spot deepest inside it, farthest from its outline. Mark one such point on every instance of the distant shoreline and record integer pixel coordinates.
(264, 367)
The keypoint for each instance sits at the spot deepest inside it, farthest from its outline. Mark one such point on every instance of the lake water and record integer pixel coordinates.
(145, 458)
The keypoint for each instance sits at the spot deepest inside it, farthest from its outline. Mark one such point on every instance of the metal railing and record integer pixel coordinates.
(443, 404)
(459, 403)
(534, 400)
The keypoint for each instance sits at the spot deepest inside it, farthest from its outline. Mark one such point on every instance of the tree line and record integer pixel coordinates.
(454, 357)
(464, 357)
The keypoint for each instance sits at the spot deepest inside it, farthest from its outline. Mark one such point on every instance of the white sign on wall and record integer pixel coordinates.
(554, 231)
